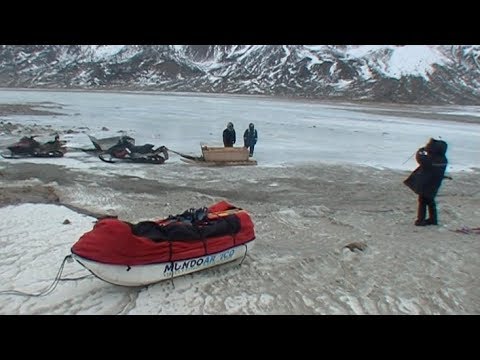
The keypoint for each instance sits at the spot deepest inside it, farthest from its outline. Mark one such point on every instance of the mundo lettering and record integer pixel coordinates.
(206, 261)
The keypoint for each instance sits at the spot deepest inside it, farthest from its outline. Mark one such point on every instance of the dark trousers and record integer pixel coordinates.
(252, 148)
(423, 204)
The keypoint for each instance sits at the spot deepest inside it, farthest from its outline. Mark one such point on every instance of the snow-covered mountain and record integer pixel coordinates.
(421, 74)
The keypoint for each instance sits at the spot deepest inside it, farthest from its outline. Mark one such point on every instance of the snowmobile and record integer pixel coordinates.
(126, 150)
(27, 146)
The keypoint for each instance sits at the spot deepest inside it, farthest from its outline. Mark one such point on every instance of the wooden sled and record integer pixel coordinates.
(220, 156)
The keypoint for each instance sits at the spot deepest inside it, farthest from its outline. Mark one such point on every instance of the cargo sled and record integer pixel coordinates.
(219, 156)
(151, 251)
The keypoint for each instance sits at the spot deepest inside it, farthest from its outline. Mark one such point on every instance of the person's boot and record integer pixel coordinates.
(421, 222)
(432, 215)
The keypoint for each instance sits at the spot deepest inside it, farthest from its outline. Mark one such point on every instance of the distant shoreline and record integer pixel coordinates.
(318, 100)
(29, 109)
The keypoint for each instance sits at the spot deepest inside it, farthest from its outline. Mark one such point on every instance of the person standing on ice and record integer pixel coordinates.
(426, 179)
(250, 137)
(229, 136)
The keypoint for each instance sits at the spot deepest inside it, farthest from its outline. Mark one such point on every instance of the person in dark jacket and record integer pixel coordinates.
(250, 138)
(229, 136)
(426, 179)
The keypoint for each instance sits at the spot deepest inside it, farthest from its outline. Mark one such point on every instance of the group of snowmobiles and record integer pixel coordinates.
(121, 148)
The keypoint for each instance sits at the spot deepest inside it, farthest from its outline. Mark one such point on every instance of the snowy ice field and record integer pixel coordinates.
(290, 133)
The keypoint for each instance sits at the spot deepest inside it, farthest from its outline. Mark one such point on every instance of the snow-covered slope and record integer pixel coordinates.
(426, 74)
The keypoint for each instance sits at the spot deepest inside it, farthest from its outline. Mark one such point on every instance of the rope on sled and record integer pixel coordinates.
(170, 247)
(173, 264)
(244, 255)
(190, 157)
(50, 288)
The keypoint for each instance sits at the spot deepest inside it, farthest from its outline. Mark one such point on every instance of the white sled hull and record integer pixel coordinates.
(140, 275)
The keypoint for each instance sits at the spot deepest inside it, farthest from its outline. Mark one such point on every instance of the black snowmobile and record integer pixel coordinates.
(27, 146)
(126, 150)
